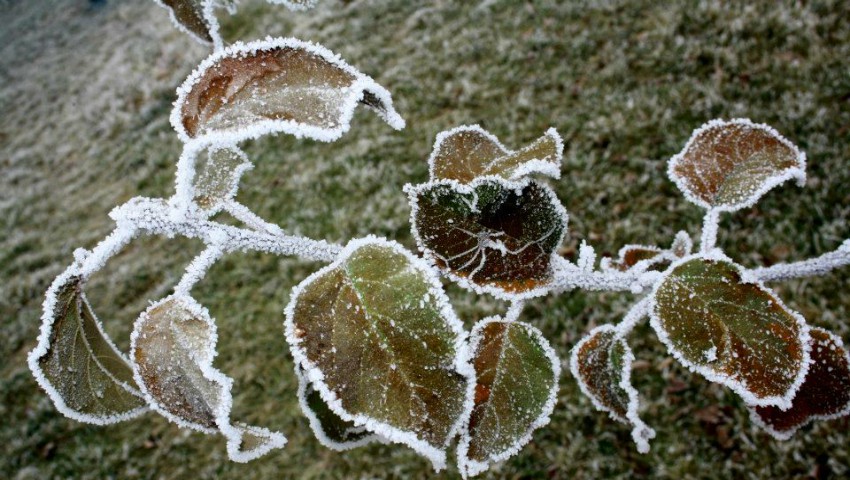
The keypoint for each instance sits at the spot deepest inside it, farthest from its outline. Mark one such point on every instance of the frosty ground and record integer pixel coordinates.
(85, 93)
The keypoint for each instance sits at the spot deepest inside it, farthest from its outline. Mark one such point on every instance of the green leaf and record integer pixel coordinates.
(468, 152)
(730, 165)
(330, 430)
(275, 85)
(172, 349)
(601, 363)
(732, 331)
(824, 395)
(217, 179)
(517, 382)
(87, 378)
(492, 235)
(377, 338)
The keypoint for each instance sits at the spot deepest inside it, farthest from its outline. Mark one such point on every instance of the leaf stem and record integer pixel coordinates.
(569, 276)
(805, 268)
(708, 238)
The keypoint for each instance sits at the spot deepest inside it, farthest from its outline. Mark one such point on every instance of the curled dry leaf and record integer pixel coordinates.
(824, 395)
(731, 331)
(729, 165)
(275, 85)
(330, 430)
(601, 363)
(217, 179)
(516, 389)
(195, 17)
(378, 315)
(467, 152)
(87, 378)
(172, 349)
(492, 235)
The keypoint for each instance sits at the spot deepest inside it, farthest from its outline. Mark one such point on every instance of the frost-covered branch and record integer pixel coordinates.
(155, 216)
(806, 268)
(568, 276)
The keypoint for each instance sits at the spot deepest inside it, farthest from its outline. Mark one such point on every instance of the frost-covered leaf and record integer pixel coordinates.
(601, 363)
(491, 235)
(824, 395)
(194, 17)
(630, 255)
(172, 349)
(732, 331)
(516, 389)
(275, 85)
(87, 378)
(330, 430)
(378, 339)
(467, 152)
(729, 165)
(217, 179)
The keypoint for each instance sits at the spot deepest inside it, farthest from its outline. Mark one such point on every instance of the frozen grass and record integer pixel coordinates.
(84, 100)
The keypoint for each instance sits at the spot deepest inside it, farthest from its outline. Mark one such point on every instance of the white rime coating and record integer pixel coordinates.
(232, 136)
(641, 432)
(807, 268)
(535, 166)
(316, 425)
(568, 276)
(42, 348)
(155, 216)
(469, 467)
(469, 188)
(756, 419)
(204, 358)
(586, 257)
(797, 173)
(316, 377)
(710, 225)
(738, 386)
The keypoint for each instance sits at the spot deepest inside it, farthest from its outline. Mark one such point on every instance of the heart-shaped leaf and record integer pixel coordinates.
(517, 384)
(217, 179)
(275, 85)
(491, 235)
(467, 152)
(601, 363)
(172, 349)
(87, 378)
(330, 430)
(378, 339)
(732, 331)
(729, 165)
(824, 395)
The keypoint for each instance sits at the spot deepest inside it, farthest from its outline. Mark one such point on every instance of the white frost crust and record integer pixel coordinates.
(462, 365)
(568, 276)
(710, 225)
(43, 346)
(204, 359)
(469, 467)
(682, 241)
(469, 188)
(252, 220)
(797, 173)
(639, 267)
(316, 425)
(198, 269)
(155, 216)
(806, 268)
(785, 435)
(641, 432)
(536, 166)
(362, 84)
(586, 257)
(295, 6)
(737, 386)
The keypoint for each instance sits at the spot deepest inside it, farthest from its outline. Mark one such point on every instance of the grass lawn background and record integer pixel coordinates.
(85, 94)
